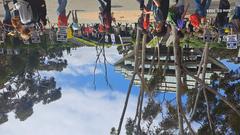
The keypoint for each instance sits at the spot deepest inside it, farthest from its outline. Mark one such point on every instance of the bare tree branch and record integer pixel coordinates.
(136, 67)
(196, 85)
(213, 91)
(105, 67)
(144, 40)
(95, 67)
(125, 105)
(177, 56)
(205, 62)
(188, 124)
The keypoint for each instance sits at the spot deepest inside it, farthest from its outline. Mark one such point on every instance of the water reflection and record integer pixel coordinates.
(191, 58)
(160, 78)
(30, 75)
(176, 66)
(21, 84)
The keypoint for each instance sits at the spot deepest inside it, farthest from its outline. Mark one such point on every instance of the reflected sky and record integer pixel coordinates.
(54, 88)
(80, 70)
(82, 109)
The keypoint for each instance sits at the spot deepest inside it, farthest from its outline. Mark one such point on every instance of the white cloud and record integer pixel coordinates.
(83, 70)
(84, 112)
(87, 56)
(82, 61)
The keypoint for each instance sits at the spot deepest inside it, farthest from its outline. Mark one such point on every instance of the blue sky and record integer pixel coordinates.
(82, 109)
(79, 72)
(231, 65)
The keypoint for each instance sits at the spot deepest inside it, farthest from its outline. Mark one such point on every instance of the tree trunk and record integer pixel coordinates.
(189, 125)
(153, 61)
(177, 57)
(142, 83)
(136, 49)
(138, 104)
(196, 87)
(136, 68)
(205, 62)
(126, 103)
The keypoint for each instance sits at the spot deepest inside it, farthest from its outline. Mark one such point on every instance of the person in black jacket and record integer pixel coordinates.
(222, 18)
(42, 12)
(7, 24)
(236, 18)
(39, 11)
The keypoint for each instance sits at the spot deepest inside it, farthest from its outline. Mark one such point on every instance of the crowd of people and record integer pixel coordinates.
(22, 18)
(167, 18)
(28, 16)
(25, 17)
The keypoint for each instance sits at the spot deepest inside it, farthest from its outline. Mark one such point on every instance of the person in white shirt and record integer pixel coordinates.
(75, 25)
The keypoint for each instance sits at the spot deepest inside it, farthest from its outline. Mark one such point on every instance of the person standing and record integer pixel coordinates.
(201, 7)
(222, 17)
(75, 25)
(7, 23)
(177, 14)
(105, 15)
(236, 16)
(159, 9)
(39, 10)
(176, 18)
(61, 12)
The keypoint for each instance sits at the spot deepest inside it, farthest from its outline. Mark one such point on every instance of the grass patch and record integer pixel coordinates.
(153, 42)
(94, 43)
(86, 42)
(198, 43)
(192, 42)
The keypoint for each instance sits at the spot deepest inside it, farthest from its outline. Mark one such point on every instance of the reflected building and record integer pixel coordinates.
(190, 58)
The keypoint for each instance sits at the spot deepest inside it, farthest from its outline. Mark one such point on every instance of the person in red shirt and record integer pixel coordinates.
(144, 19)
(62, 17)
(105, 15)
(63, 20)
(201, 7)
(159, 9)
(100, 28)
